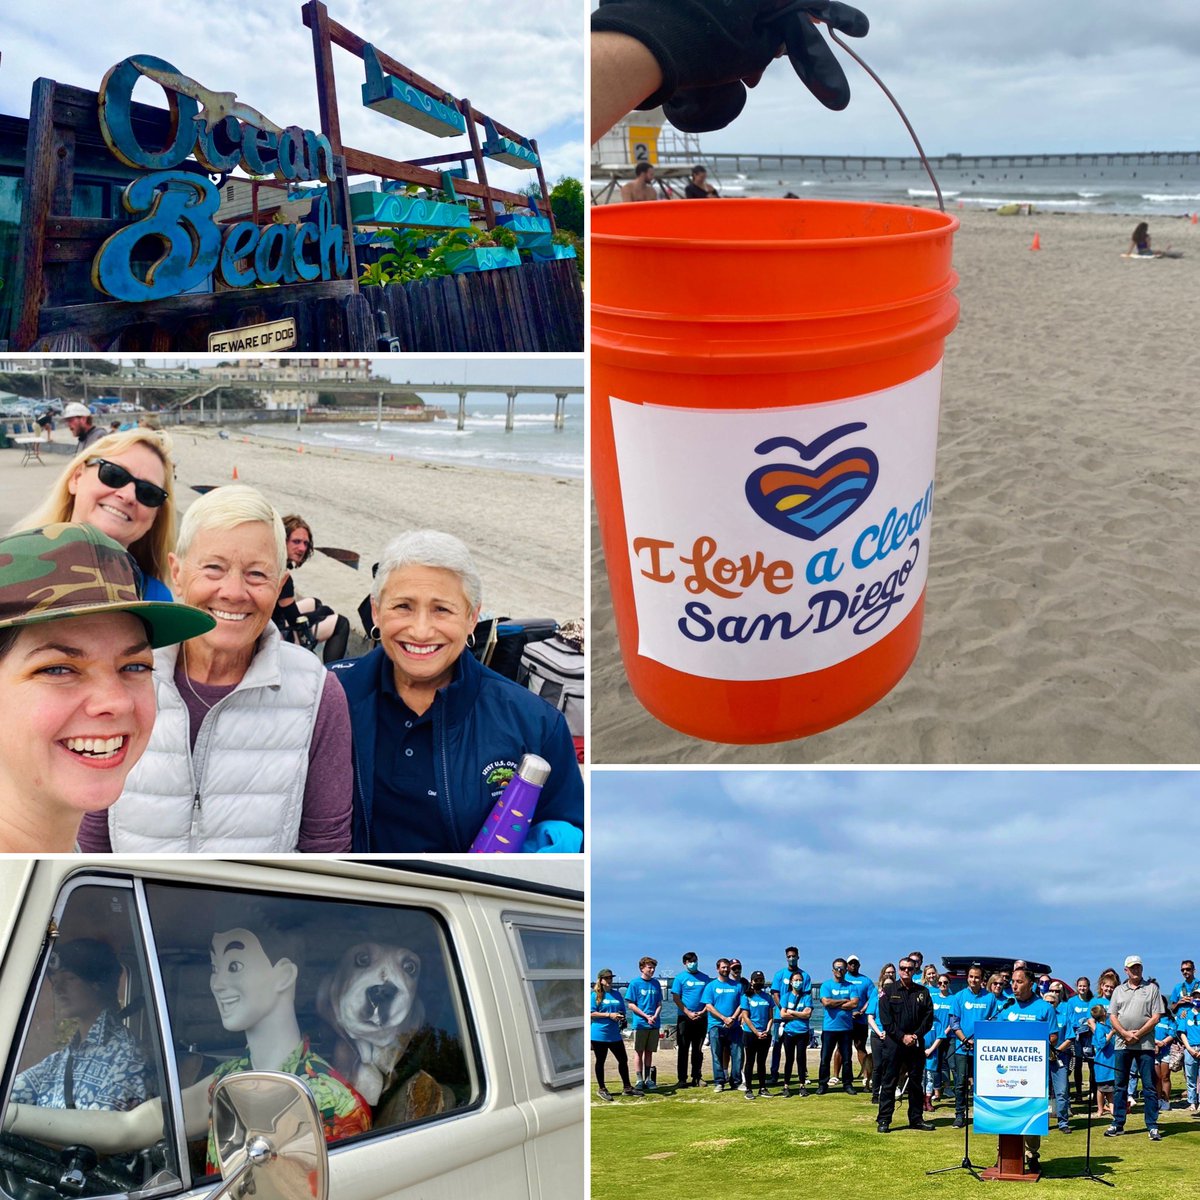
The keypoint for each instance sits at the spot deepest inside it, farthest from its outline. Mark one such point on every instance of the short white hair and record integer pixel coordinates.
(229, 506)
(430, 548)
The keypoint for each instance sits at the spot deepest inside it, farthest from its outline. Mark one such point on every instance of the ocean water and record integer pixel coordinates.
(534, 447)
(1145, 191)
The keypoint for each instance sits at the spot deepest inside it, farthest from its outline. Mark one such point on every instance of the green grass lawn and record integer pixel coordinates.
(695, 1142)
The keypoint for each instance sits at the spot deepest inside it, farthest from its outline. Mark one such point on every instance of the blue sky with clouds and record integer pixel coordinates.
(1072, 868)
(521, 64)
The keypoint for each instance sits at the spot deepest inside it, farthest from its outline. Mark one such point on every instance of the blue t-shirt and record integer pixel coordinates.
(943, 1006)
(1181, 989)
(1079, 1011)
(1188, 1023)
(797, 1001)
(838, 1019)
(1166, 1028)
(155, 589)
(606, 1030)
(969, 1008)
(1104, 1045)
(1034, 1009)
(865, 986)
(760, 1008)
(724, 995)
(780, 982)
(647, 995)
(689, 987)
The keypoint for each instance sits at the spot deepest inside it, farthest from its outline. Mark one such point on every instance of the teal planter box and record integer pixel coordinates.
(482, 258)
(533, 233)
(394, 98)
(391, 208)
(554, 252)
(505, 150)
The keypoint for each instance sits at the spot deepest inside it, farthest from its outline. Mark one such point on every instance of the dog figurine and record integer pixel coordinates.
(371, 1001)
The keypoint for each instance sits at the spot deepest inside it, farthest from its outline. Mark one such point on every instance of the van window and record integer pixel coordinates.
(549, 954)
(362, 1001)
(91, 1043)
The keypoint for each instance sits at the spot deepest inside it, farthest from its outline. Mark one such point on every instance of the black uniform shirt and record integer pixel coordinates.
(905, 1010)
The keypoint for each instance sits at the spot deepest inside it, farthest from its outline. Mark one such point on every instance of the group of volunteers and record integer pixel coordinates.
(161, 690)
(909, 1032)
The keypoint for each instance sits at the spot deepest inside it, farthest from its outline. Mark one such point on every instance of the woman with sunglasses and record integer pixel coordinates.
(304, 619)
(123, 485)
(251, 747)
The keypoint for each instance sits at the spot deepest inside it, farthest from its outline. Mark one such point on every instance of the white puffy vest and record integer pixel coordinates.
(242, 788)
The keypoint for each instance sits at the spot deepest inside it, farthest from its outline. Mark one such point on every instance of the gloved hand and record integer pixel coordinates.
(706, 48)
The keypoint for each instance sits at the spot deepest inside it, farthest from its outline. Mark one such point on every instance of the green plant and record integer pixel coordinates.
(566, 201)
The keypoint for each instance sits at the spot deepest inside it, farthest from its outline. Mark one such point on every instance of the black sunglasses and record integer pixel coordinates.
(114, 475)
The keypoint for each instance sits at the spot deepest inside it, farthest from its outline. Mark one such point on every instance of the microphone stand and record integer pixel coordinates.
(966, 1164)
(1087, 1172)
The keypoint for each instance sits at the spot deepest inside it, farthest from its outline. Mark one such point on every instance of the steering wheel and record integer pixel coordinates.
(47, 1165)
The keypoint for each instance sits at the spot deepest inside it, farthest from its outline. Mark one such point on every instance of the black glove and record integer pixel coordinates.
(705, 48)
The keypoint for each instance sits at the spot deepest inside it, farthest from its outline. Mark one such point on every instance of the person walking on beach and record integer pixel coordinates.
(687, 988)
(1133, 1012)
(643, 998)
(906, 1015)
(641, 186)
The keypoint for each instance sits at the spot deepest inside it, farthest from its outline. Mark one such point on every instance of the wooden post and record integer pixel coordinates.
(35, 211)
(1011, 1163)
(489, 216)
(316, 17)
(541, 174)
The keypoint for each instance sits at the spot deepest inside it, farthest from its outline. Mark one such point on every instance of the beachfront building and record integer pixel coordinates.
(309, 374)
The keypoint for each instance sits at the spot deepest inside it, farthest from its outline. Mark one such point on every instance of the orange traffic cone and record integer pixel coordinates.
(235, 472)
(1036, 244)
(1196, 218)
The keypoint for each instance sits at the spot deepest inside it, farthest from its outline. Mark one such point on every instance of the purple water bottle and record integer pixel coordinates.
(507, 825)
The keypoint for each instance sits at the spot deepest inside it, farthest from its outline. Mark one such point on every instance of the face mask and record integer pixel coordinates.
(792, 960)
(689, 966)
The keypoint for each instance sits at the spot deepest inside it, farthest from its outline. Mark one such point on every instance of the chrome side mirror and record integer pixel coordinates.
(270, 1138)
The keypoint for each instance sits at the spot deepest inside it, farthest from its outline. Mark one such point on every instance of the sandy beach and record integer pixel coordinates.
(1061, 621)
(525, 531)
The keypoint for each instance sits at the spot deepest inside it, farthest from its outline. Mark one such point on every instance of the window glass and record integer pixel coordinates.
(550, 953)
(91, 1048)
(361, 1001)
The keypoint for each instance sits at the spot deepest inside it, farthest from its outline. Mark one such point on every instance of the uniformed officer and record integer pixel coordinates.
(906, 1015)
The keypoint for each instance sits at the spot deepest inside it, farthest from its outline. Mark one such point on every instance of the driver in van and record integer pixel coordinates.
(253, 981)
(102, 1066)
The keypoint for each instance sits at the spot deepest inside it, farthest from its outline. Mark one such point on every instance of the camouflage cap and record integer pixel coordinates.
(61, 571)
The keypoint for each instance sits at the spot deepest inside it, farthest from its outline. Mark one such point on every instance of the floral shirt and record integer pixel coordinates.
(106, 1069)
(343, 1111)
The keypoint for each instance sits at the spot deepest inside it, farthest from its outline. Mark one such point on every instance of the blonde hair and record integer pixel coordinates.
(152, 548)
(228, 506)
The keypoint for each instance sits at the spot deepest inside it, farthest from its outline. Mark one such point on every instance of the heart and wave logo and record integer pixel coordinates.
(808, 501)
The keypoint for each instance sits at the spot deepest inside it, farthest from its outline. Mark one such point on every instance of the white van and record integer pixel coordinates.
(439, 1008)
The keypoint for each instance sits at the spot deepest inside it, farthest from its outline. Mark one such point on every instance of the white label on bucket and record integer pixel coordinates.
(767, 543)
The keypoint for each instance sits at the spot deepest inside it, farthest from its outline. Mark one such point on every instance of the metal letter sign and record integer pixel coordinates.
(178, 208)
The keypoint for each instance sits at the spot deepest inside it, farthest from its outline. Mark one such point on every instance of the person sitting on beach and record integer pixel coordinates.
(641, 186)
(437, 735)
(76, 694)
(698, 187)
(251, 747)
(1139, 245)
(304, 619)
(125, 487)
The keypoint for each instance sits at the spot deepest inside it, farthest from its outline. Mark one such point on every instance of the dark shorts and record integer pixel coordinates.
(859, 1034)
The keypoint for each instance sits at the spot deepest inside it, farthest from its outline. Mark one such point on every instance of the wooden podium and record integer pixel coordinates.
(1011, 1163)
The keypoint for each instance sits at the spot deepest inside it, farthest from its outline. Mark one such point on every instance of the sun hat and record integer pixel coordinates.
(63, 570)
(75, 409)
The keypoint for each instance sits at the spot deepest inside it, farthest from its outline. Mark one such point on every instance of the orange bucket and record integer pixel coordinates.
(766, 377)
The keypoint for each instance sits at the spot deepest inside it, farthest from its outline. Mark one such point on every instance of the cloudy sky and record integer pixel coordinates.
(1072, 868)
(521, 64)
(993, 77)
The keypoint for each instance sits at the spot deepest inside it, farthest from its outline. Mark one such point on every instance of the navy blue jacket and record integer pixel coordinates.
(482, 723)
